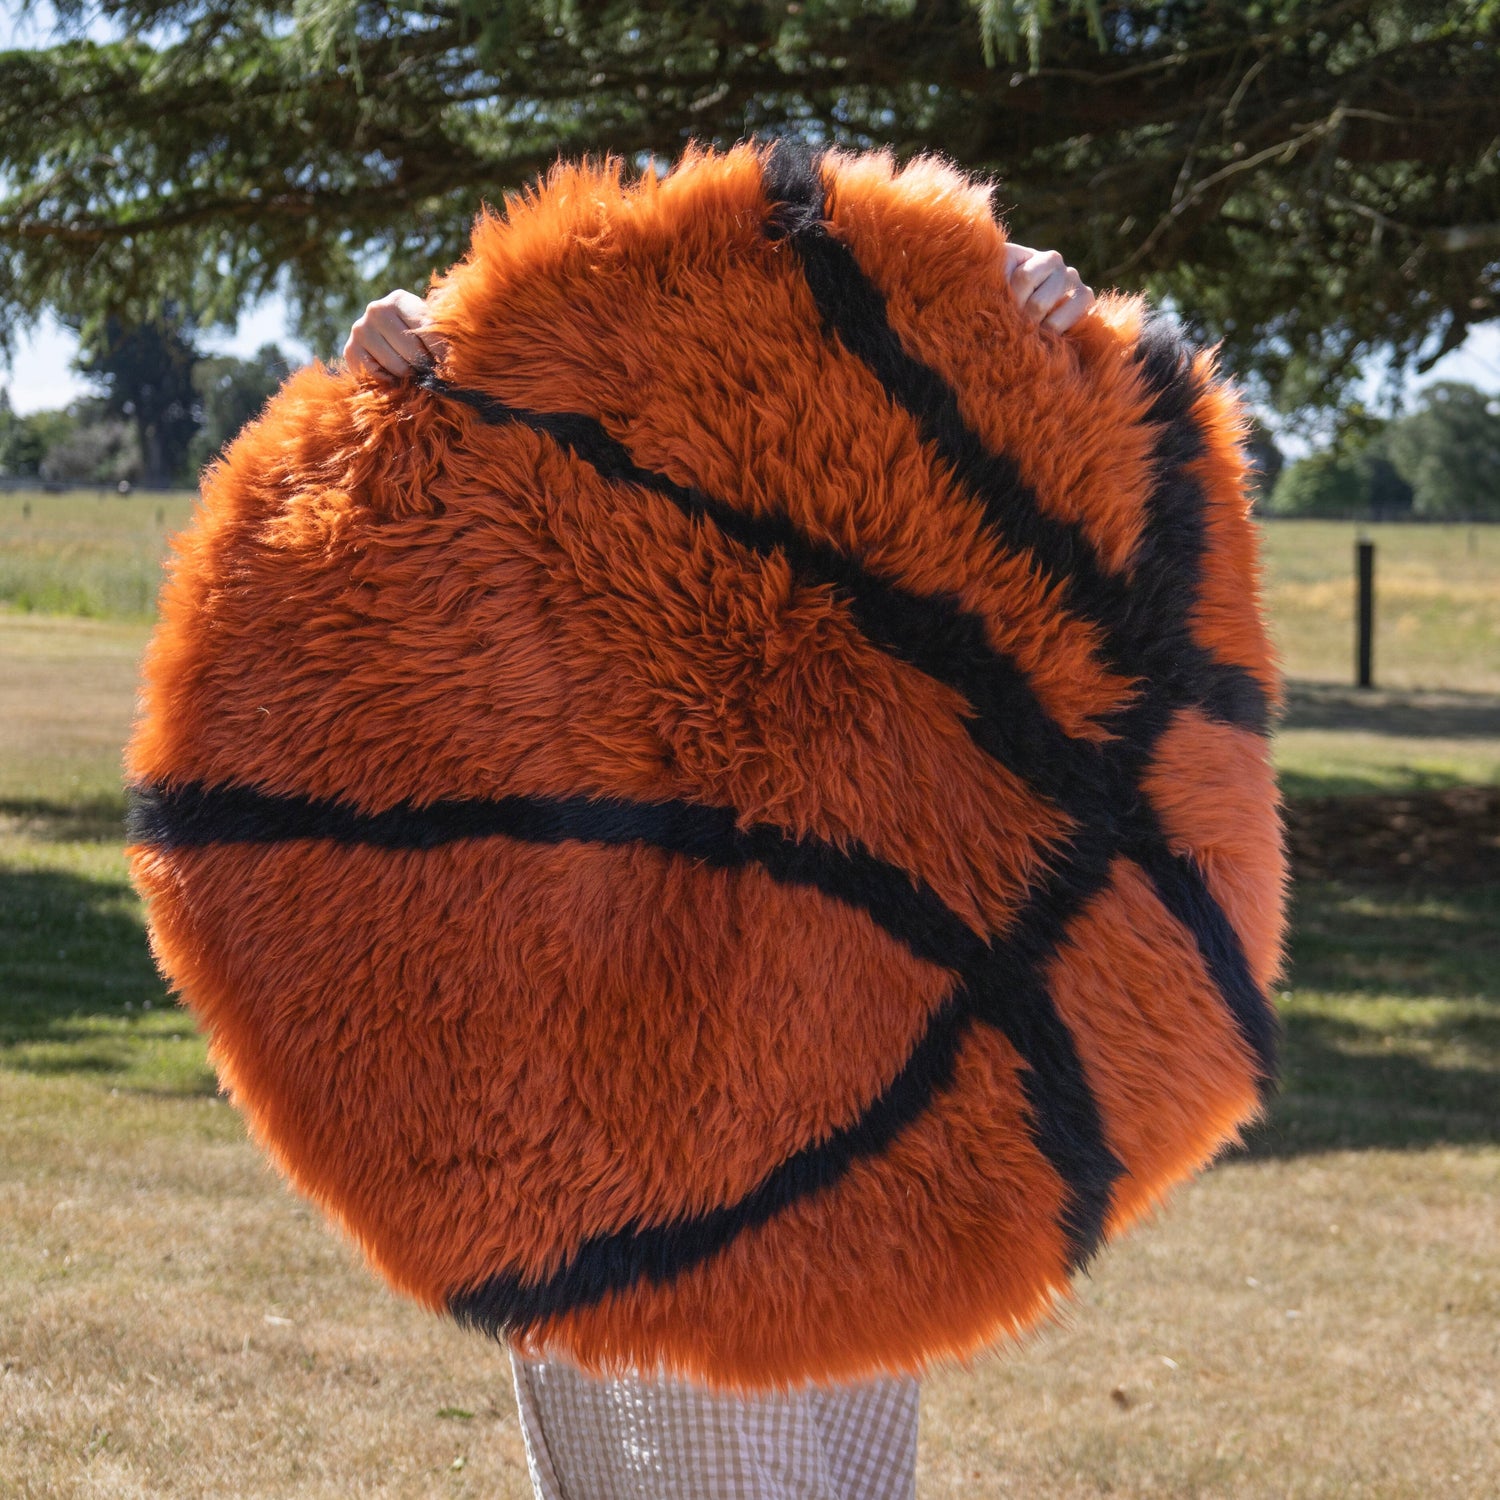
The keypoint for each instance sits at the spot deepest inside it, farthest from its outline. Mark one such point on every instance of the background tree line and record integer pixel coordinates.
(162, 397)
(1312, 184)
(163, 410)
(1440, 461)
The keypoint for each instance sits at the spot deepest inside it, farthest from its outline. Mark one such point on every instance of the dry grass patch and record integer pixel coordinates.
(1437, 594)
(175, 1324)
(67, 693)
(1319, 1316)
(1319, 1326)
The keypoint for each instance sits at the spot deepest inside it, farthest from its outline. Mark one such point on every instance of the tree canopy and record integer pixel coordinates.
(146, 372)
(1448, 450)
(1311, 181)
(1440, 462)
(231, 391)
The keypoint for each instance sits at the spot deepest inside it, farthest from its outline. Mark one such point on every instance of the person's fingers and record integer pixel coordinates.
(415, 316)
(357, 361)
(390, 324)
(1014, 255)
(1050, 293)
(391, 338)
(1030, 272)
(373, 355)
(1048, 290)
(1070, 310)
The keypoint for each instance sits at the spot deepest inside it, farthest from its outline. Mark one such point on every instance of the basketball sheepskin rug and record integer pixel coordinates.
(727, 826)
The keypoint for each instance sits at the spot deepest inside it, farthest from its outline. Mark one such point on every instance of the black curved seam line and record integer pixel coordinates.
(1005, 722)
(989, 974)
(616, 1261)
(659, 1253)
(1088, 1169)
(1167, 570)
(853, 308)
(932, 633)
(192, 815)
(940, 639)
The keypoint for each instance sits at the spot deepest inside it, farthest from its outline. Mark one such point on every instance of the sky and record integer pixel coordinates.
(41, 378)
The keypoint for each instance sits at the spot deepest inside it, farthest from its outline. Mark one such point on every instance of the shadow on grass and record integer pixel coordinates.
(1413, 941)
(81, 996)
(95, 820)
(1341, 1092)
(1393, 1028)
(1405, 714)
(1381, 781)
(1393, 1022)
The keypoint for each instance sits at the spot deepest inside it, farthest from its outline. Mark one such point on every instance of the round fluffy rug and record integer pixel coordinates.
(729, 824)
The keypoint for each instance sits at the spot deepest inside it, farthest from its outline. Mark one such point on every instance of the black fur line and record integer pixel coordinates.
(998, 982)
(659, 1253)
(1146, 618)
(934, 634)
(191, 815)
(1006, 722)
(940, 640)
(1065, 1127)
(853, 309)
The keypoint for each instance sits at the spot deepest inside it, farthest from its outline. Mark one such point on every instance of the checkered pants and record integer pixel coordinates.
(653, 1437)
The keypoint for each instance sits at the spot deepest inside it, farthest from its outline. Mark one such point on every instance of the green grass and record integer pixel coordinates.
(1348, 765)
(1438, 587)
(1338, 741)
(81, 994)
(67, 695)
(1392, 1021)
(92, 554)
(173, 1322)
(1437, 596)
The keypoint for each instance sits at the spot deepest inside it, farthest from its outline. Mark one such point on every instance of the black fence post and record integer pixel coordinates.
(1365, 650)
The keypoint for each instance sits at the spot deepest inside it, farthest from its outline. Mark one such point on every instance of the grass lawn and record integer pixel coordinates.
(95, 554)
(1437, 602)
(1437, 587)
(1338, 741)
(1319, 1316)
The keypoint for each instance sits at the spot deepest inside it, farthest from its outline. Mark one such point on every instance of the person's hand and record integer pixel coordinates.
(393, 338)
(1050, 291)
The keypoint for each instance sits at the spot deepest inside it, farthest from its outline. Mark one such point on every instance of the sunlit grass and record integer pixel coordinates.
(88, 553)
(1335, 763)
(1437, 602)
(1315, 1316)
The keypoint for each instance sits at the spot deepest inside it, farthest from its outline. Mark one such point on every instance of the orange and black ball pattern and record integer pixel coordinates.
(730, 823)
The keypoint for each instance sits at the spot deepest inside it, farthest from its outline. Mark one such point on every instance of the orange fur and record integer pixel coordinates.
(488, 1056)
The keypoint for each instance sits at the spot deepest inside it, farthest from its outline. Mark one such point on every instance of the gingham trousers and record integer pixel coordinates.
(655, 1437)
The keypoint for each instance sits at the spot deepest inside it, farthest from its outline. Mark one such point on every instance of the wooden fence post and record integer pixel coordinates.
(1365, 646)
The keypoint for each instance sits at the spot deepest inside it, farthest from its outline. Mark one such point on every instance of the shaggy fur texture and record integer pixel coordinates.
(729, 824)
